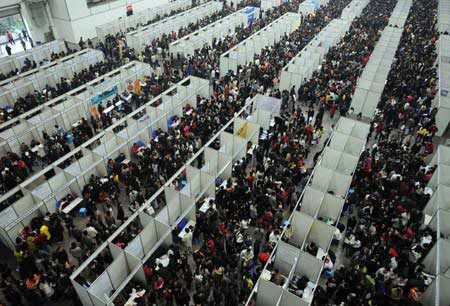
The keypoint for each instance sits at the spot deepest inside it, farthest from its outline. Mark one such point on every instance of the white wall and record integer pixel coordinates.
(35, 20)
(73, 19)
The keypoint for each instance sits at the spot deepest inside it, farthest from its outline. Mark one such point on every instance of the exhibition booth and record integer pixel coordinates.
(67, 110)
(370, 84)
(219, 29)
(269, 4)
(353, 10)
(41, 54)
(49, 75)
(436, 213)
(314, 222)
(400, 14)
(133, 22)
(309, 59)
(177, 211)
(310, 6)
(443, 18)
(442, 98)
(71, 175)
(144, 36)
(245, 51)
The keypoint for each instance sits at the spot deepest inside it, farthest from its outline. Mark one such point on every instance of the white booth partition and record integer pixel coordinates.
(50, 74)
(341, 162)
(370, 85)
(17, 216)
(111, 279)
(310, 6)
(40, 54)
(439, 225)
(124, 24)
(67, 111)
(442, 156)
(178, 211)
(272, 4)
(94, 160)
(438, 200)
(308, 60)
(307, 266)
(321, 234)
(437, 260)
(318, 211)
(400, 13)
(443, 18)
(144, 36)
(329, 181)
(245, 51)
(442, 98)
(440, 176)
(301, 224)
(353, 128)
(221, 28)
(311, 201)
(437, 293)
(354, 9)
(268, 293)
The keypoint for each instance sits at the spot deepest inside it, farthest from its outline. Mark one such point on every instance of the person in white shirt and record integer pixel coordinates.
(187, 240)
(246, 256)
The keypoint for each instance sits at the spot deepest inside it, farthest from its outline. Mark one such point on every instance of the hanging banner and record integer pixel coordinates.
(250, 12)
(104, 96)
(242, 132)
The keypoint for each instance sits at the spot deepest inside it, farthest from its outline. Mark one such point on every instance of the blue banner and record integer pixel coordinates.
(104, 96)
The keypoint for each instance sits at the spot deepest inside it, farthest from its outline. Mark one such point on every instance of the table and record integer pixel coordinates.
(206, 206)
(72, 205)
(125, 162)
(133, 296)
(183, 233)
(108, 109)
(266, 275)
(77, 124)
(224, 184)
(321, 253)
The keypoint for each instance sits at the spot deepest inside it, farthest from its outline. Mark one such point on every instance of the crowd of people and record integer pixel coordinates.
(218, 261)
(386, 238)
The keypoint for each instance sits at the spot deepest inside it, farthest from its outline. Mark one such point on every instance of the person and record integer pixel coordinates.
(24, 45)
(10, 37)
(81, 43)
(8, 49)
(24, 33)
(76, 252)
(187, 239)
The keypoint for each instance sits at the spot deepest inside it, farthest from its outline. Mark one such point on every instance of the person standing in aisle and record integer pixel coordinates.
(8, 49)
(10, 37)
